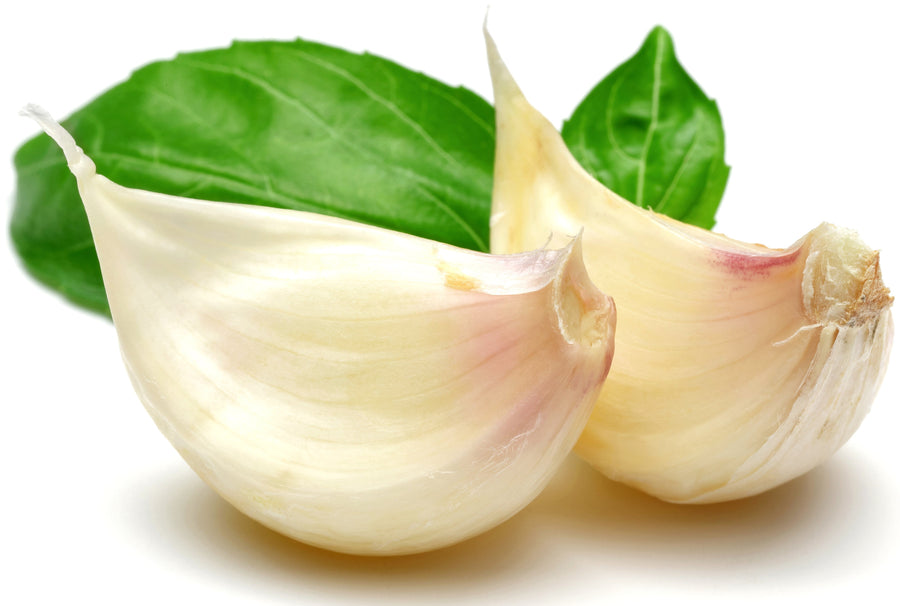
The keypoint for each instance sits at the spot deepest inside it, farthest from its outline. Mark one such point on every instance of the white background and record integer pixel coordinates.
(96, 504)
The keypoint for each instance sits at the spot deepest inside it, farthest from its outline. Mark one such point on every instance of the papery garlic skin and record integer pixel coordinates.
(738, 367)
(354, 388)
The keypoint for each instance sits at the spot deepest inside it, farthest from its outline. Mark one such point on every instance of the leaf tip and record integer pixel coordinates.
(658, 37)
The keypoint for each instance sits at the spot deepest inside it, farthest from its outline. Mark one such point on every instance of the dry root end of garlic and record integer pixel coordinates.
(738, 367)
(355, 388)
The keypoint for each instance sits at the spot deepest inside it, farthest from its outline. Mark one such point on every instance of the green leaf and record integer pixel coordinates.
(649, 133)
(288, 124)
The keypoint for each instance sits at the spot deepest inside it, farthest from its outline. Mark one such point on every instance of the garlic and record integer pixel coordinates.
(354, 388)
(738, 367)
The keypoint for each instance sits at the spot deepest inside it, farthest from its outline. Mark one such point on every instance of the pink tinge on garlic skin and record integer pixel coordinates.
(567, 390)
(552, 347)
(753, 267)
(562, 378)
(545, 419)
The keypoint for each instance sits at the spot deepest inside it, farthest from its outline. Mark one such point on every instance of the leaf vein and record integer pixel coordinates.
(379, 159)
(654, 122)
(610, 135)
(231, 183)
(387, 104)
(681, 168)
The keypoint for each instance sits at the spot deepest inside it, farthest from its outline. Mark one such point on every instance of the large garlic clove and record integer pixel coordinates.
(355, 388)
(738, 367)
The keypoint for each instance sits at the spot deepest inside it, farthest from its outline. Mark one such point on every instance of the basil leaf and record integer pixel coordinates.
(295, 125)
(649, 133)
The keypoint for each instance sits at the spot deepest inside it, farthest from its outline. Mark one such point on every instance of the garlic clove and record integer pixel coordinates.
(738, 367)
(354, 388)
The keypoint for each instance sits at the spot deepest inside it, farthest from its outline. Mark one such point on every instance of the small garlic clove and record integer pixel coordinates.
(355, 388)
(738, 367)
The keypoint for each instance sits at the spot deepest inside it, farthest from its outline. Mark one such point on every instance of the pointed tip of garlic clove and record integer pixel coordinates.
(78, 162)
(503, 82)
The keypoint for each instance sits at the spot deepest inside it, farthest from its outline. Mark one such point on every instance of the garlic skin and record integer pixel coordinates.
(354, 388)
(738, 367)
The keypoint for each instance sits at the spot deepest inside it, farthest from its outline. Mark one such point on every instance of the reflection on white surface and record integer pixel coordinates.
(822, 526)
